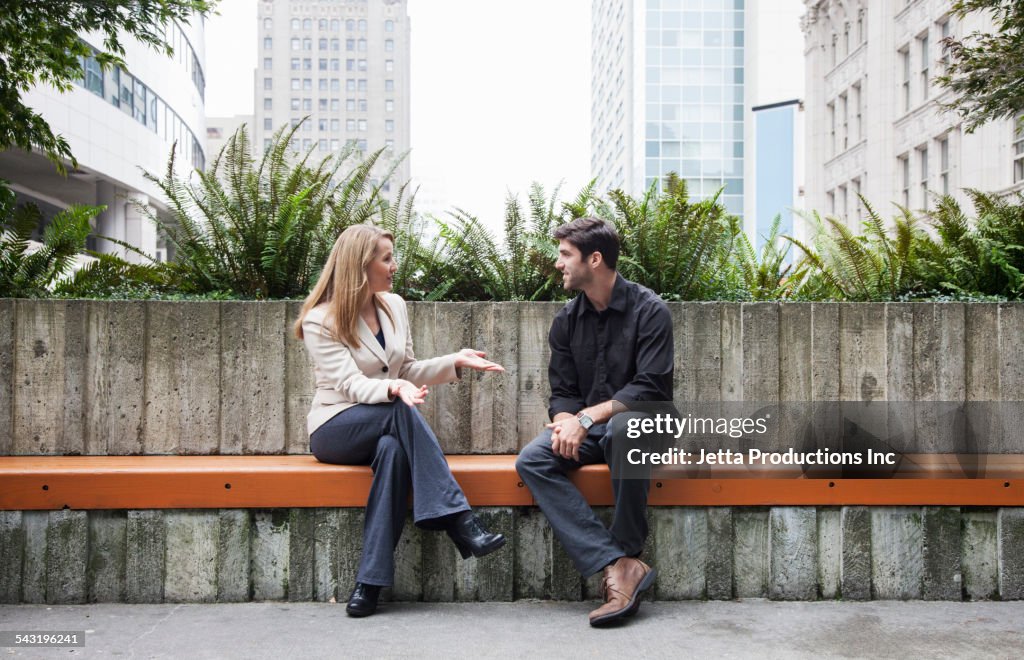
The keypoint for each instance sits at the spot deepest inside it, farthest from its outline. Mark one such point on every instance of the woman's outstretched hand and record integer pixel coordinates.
(474, 359)
(406, 391)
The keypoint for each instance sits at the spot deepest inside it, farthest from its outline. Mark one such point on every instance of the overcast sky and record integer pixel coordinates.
(500, 91)
(500, 95)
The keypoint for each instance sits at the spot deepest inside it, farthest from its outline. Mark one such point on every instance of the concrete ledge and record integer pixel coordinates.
(302, 554)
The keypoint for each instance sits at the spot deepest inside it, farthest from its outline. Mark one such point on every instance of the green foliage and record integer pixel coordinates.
(263, 229)
(986, 70)
(28, 274)
(872, 266)
(766, 276)
(39, 44)
(986, 260)
(674, 246)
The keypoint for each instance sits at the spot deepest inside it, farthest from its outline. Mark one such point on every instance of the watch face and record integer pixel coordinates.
(585, 421)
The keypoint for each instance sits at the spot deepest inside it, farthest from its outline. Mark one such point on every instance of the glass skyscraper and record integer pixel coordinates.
(668, 95)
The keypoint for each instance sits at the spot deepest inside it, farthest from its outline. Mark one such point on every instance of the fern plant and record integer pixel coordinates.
(766, 276)
(27, 273)
(263, 229)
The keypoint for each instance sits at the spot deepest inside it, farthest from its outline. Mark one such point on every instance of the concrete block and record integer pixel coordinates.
(1010, 523)
(897, 553)
(252, 418)
(760, 328)
(980, 555)
(795, 373)
(488, 578)
(182, 378)
(67, 547)
(984, 431)
(793, 537)
(33, 572)
(863, 352)
(114, 377)
(682, 538)
(830, 553)
(108, 543)
(270, 554)
(942, 547)
(751, 552)
(1011, 373)
(494, 412)
(409, 564)
(532, 548)
(453, 331)
(145, 567)
(301, 540)
(439, 553)
(12, 549)
(233, 559)
(349, 547)
(72, 437)
(698, 351)
(7, 376)
(38, 376)
(720, 545)
(855, 570)
(325, 555)
(299, 384)
(910, 359)
(732, 352)
(192, 538)
(951, 374)
(534, 356)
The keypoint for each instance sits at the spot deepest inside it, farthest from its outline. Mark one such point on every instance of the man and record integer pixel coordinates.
(611, 349)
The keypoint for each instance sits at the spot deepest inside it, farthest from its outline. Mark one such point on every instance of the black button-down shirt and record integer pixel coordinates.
(623, 353)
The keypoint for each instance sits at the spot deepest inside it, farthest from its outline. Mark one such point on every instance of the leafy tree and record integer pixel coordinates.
(39, 44)
(986, 70)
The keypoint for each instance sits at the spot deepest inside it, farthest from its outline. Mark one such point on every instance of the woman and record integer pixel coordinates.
(368, 384)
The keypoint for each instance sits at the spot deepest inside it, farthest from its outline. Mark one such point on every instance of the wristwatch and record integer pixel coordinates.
(585, 420)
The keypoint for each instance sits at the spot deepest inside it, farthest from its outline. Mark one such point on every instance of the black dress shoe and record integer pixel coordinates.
(363, 601)
(471, 538)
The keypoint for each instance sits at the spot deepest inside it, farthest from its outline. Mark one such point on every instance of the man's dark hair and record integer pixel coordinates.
(590, 235)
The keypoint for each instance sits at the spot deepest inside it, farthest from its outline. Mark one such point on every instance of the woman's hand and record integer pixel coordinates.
(474, 359)
(406, 391)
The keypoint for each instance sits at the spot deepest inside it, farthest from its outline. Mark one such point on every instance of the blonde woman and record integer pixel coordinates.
(368, 384)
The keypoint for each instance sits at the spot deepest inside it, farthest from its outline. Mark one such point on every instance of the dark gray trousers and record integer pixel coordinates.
(396, 442)
(589, 544)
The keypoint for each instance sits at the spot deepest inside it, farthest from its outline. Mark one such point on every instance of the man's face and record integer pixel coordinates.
(576, 274)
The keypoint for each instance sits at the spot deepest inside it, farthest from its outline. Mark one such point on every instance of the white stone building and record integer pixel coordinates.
(118, 123)
(345, 65)
(874, 125)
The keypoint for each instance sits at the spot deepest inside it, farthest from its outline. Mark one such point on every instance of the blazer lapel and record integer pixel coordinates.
(391, 344)
(370, 342)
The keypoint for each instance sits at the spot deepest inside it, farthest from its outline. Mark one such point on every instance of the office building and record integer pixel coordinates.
(343, 67)
(874, 122)
(117, 124)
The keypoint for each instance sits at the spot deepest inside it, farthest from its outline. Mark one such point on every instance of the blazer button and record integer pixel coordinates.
(385, 369)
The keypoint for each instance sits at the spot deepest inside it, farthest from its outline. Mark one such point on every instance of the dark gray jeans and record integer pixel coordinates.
(396, 442)
(586, 540)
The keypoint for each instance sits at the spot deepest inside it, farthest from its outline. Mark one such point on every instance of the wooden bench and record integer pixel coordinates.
(214, 482)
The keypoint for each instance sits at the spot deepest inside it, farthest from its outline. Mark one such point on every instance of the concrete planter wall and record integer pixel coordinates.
(97, 377)
(783, 553)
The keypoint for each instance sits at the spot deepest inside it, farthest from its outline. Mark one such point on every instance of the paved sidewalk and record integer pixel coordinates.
(752, 628)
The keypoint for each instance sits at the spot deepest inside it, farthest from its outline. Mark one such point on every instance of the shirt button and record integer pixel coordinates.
(385, 369)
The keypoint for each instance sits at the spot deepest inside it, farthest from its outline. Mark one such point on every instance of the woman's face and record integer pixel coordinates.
(382, 269)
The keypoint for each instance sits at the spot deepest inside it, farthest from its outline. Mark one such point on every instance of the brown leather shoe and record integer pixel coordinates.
(622, 586)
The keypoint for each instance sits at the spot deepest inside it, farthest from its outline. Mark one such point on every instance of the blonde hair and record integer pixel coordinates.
(343, 284)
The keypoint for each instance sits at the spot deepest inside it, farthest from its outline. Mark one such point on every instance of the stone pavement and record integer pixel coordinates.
(752, 628)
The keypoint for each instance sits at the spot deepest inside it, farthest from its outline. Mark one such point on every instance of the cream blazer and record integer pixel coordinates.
(347, 376)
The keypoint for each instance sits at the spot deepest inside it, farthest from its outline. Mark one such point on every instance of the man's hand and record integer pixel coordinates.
(566, 437)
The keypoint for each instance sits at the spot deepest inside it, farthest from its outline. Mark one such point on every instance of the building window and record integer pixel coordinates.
(904, 69)
(266, 143)
(350, 125)
(842, 203)
(294, 104)
(362, 25)
(846, 38)
(350, 44)
(296, 24)
(268, 103)
(322, 144)
(843, 118)
(267, 23)
(362, 45)
(1018, 149)
(389, 105)
(307, 44)
(268, 64)
(362, 84)
(93, 76)
(335, 85)
(268, 43)
(831, 197)
(903, 166)
(389, 65)
(362, 125)
(350, 105)
(389, 125)
(362, 105)
(389, 85)
(350, 84)
(335, 105)
(268, 124)
(944, 164)
(268, 83)
(322, 85)
(389, 145)
(335, 25)
(855, 184)
(350, 25)
(858, 104)
(296, 43)
(335, 64)
(322, 24)
(307, 24)
(307, 64)
(335, 125)
(322, 104)
(944, 31)
(832, 128)
(307, 84)
(322, 44)
(389, 26)
(322, 64)
(835, 40)
(922, 158)
(296, 64)
(362, 65)
(922, 43)
(307, 104)
(296, 84)
(861, 35)
(389, 45)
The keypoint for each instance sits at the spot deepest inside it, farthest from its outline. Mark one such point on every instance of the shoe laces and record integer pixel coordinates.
(607, 582)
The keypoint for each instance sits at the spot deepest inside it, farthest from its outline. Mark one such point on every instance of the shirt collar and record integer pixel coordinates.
(617, 301)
